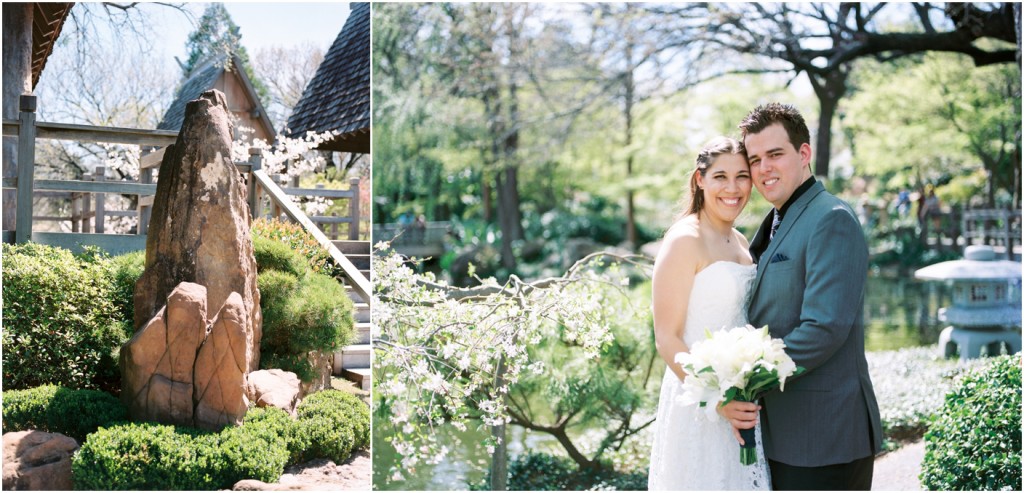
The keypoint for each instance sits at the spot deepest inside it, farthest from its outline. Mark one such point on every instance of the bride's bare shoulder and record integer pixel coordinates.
(682, 237)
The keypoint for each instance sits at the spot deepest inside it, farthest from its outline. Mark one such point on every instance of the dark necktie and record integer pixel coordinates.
(776, 220)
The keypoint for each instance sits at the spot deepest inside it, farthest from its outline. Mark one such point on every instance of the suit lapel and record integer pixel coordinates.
(792, 216)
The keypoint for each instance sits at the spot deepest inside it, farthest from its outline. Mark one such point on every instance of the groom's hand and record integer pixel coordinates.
(741, 415)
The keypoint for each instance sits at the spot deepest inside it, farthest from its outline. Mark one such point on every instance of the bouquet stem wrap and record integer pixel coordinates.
(748, 451)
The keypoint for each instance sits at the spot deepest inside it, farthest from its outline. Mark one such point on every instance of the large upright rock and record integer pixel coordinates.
(199, 231)
(158, 362)
(180, 370)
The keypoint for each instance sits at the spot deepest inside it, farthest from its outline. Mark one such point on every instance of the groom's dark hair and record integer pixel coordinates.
(766, 115)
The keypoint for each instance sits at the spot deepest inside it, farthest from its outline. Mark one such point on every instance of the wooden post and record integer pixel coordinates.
(334, 227)
(76, 207)
(275, 207)
(1008, 233)
(26, 168)
(86, 206)
(145, 176)
(256, 160)
(353, 209)
(101, 206)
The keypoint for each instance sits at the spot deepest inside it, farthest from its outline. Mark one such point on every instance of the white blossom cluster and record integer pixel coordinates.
(298, 155)
(447, 355)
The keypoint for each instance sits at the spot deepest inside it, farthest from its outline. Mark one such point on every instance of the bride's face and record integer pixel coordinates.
(726, 186)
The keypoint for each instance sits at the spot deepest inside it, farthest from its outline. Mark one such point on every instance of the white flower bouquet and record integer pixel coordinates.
(739, 363)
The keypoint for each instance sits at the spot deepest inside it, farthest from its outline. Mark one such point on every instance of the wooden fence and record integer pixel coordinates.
(27, 129)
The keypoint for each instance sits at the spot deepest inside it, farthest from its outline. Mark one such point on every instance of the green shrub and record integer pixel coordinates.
(153, 456)
(125, 272)
(299, 240)
(536, 471)
(274, 255)
(140, 456)
(61, 325)
(314, 315)
(75, 413)
(974, 443)
(331, 424)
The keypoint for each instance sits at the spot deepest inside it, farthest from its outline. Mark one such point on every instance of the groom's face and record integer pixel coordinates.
(776, 166)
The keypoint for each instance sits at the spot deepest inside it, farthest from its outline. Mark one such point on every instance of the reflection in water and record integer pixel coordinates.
(901, 312)
(898, 312)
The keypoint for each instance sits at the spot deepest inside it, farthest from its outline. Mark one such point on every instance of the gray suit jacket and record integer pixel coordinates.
(809, 290)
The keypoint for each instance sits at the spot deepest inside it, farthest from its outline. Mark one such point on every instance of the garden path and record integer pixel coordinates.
(898, 471)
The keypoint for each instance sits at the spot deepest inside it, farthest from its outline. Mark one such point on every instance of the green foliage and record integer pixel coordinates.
(275, 255)
(139, 456)
(303, 308)
(974, 443)
(536, 471)
(299, 240)
(126, 270)
(331, 424)
(74, 413)
(314, 314)
(61, 323)
(134, 456)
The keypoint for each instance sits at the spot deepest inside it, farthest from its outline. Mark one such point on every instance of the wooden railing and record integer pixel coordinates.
(28, 130)
(415, 239)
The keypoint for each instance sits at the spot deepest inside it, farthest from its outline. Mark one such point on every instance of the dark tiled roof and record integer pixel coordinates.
(338, 97)
(201, 80)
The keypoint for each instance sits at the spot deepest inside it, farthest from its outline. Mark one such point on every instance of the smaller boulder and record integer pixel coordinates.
(37, 460)
(276, 388)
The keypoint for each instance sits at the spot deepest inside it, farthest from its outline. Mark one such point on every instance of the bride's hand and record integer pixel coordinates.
(741, 415)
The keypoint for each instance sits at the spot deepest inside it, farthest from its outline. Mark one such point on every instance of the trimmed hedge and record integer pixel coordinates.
(974, 442)
(75, 413)
(61, 325)
(331, 424)
(133, 456)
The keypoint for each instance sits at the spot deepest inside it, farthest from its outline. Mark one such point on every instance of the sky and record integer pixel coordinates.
(262, 24)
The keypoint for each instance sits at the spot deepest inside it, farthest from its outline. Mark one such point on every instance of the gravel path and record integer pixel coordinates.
(898, 471)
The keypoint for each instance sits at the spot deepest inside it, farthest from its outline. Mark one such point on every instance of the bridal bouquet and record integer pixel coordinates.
(738, 363)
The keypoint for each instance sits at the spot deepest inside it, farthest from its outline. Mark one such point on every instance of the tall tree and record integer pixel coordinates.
(217, 35)
(286, 71)
(824, 40)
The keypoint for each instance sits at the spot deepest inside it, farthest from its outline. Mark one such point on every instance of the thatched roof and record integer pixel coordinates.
(47, 22)
(338, 97)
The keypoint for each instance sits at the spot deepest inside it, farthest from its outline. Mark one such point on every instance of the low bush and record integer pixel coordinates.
(75, 413)
(299, 240)
(134, 456)
(974, 442)
(61, 325)
(331, 424)
(537, 471)
(302, 315)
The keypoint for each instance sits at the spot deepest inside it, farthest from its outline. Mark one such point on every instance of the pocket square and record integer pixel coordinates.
(778, 257)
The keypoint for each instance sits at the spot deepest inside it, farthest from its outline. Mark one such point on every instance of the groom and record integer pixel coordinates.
(821, 433)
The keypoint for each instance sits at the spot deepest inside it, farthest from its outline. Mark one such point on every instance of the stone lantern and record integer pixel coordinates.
(986, 309)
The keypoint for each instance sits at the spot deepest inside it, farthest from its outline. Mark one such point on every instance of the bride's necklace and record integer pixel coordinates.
(728, 237)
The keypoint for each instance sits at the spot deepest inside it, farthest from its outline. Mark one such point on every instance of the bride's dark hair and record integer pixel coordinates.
(707, 155)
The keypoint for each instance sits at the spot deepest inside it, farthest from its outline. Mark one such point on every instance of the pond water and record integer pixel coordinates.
(899, 312)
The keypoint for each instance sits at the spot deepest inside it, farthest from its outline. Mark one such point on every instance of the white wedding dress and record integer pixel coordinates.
(691, 450)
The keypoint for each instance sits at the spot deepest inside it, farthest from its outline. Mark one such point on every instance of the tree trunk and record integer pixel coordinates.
(630, 94)
(830, 88)
(17, 80)
(485, 196)
(499, 459)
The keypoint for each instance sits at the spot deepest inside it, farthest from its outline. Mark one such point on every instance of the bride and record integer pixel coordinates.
(702, 279)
